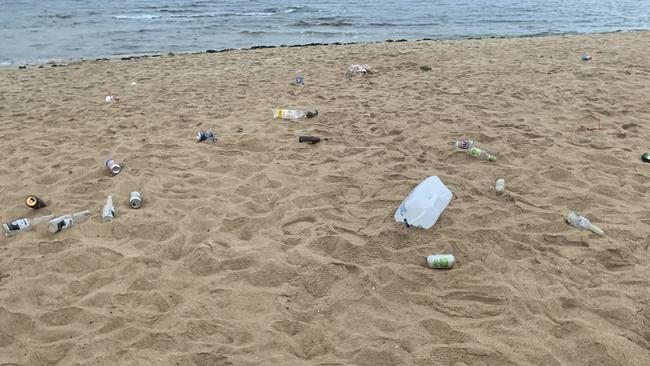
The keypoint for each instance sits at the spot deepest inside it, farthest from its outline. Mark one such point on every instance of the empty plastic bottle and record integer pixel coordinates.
(464, 145)
(63, 222)
(292, 113)
(582, 223)
(108, 212)
(14, 227)
(481, 154)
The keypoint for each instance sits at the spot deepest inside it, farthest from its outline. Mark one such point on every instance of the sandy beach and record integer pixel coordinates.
(259, 250)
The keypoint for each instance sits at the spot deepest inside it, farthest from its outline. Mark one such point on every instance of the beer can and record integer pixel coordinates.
(135, 199)
(113, 166)
(500, 186)
(205, 135)
(34, 202)
(441, 261)
(309, 139)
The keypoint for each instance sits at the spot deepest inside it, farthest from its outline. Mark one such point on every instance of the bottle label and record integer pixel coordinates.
(279, 113)
(65, 223)
(475, 152)
(20, 225)
(582, 222)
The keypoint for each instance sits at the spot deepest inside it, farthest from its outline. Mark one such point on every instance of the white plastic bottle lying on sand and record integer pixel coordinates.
(63, 222)
(582, 223)
(14, 227)
(424, 204)
(292, 113)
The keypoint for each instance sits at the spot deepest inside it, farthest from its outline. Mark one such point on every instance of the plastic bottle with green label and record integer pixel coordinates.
(481, 154)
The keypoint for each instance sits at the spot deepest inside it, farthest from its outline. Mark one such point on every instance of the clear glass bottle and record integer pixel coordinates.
(63, 222)
(14, 227)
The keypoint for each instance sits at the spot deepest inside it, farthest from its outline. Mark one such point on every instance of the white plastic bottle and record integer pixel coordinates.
(14, 227)
(292, 113)
(582, 223)
(108, 212)
(63, 222)
(424, 204)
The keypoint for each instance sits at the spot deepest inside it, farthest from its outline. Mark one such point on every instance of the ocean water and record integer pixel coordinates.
(40, 30)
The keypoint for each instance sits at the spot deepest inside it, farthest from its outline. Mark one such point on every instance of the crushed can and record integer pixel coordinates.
(34, 202)
(112, 99)
(205, 135)
(135, 200)
(113, 166)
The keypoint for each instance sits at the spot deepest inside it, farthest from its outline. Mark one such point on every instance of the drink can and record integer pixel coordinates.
(204, 135)
(113, 166)
(646, 157)
(441, 261)
(309, 139)
(500, 186)
(135, 199)
(34, 202)
(300, 80)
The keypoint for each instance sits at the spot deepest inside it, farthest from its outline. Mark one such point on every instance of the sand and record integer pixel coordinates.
(258, 250)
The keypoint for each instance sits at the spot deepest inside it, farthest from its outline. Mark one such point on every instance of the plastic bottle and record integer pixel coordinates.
(63, 222)
(108, 212)
(464, 145)
(14, 227)
(424, 204)
(441, 261)
(292, 113)
(582, 223)
(481, 154)
(500, 186)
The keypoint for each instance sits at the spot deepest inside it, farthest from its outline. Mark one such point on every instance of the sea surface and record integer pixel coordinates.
(40, 30)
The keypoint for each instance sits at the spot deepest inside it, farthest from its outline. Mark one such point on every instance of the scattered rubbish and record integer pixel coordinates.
(108, 212)
(134, 83)
(135, 199)
(239, 129)
(425, 68)
(500, 186)
(292, 113)
(481, 154)
(299, 81)
(423, 206)
(113, 166)
(646, 157)
(34, 202)
(441, 261)
(582, 223)
(586, 56)
(112, 99)
(205, 135)
(464, 145)
(63, 222)
(359, 70)
(309, 139)
(14, 227)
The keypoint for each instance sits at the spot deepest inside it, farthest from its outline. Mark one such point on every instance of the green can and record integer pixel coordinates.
(441, 261)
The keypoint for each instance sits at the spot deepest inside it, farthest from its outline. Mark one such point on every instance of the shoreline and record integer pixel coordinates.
(127, 57)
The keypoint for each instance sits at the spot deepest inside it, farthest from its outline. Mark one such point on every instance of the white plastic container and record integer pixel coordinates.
(424, 204)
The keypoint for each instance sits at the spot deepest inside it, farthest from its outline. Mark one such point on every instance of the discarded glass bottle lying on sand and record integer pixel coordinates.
(63, 222)
(108, 212)
(14, 227)
(292, 113)
(481, 154)
(582, 223)
(309, 139)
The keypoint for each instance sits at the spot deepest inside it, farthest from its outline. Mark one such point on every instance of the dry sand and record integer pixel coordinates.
(258, 250)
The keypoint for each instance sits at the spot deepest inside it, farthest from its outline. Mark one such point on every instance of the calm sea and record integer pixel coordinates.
(41, 30)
